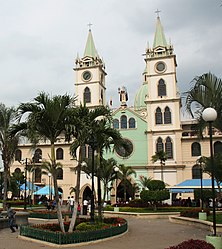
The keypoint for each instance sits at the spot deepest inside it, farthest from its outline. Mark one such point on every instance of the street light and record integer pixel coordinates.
(1, 172)
(209, 115)
(50, 192)
(116, 169)
(199, 161)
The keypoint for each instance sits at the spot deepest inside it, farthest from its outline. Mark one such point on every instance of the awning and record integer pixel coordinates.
(189, 185)
(29, 186)
(46, 191)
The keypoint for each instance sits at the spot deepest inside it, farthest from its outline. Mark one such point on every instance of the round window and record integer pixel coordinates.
(160, 66)
(126, 150)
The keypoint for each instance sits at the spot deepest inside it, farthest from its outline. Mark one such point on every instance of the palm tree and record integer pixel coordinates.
(162, 156)
(207, 167)
(107, 174)
(125, 173)
(206, 91)
(8, 143)
(82, 129)
(145, 181)
(105, 136)
(47, 118)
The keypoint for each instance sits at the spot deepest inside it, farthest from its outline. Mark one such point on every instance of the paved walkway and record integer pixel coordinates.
(143, 234)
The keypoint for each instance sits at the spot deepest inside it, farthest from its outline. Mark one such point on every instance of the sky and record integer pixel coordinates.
(40, 40)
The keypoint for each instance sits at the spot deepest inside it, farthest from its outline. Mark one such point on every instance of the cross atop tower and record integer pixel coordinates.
(157, 12)
(89, 24)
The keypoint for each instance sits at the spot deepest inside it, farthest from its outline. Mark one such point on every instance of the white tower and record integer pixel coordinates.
(90, 77)
(163, 104)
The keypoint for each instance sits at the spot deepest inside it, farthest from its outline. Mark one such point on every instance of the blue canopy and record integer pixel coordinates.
(188, 186)
(45, 191)
(29, 186)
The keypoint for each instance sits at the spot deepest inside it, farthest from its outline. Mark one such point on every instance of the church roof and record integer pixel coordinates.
(141, 94)
(159, 38)
(90, 49)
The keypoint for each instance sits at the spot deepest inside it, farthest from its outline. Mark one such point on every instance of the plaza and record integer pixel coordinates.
(143, 233)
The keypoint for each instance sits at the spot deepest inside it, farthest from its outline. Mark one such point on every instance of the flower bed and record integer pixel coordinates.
(84, 231)
(45, 214)
(192, 244)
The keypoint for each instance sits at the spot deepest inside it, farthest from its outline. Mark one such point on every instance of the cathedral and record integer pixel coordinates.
(153, 124)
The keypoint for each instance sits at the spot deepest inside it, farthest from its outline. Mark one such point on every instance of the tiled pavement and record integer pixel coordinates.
(142, 234)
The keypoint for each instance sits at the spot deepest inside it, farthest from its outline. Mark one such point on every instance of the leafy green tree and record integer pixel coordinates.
(162, 157)
(47, 118)
(155, 194)
(206, 91)
(125, 174)
(8, 143)
(16, 180)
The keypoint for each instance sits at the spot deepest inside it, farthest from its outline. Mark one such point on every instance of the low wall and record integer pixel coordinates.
(21, 219)
(161, 215)
(195, 222)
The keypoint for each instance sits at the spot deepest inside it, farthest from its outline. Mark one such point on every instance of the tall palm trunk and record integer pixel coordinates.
(54, 174)
(5, 179)
(99, 186)
(124, 189)
(74, 214)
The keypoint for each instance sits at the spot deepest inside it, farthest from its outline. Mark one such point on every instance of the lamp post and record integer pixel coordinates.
(50, 192)
(1, 172)
(199, 161)
(209, 115)
(25, 199)
(116, 169)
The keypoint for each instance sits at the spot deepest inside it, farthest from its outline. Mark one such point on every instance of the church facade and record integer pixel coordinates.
(154, 123)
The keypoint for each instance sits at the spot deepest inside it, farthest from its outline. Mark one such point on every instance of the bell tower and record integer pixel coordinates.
(163, 101)
(90, 76)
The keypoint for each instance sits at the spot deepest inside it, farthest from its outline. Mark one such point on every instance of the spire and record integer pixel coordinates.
(159, 38)
(90, 49)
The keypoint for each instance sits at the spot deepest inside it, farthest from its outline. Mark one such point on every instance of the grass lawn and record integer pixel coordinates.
(218, 218)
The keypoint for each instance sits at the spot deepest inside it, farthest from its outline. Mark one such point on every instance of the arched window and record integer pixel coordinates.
(89, 152)
(83, 150)
(116, 123)
(132, 123)
(59, 154)
(167, 116)
(196, 149)
(101, 96)
(217, 147)
(158, 116)
(38, 175)
(37, 156)
(60, 174)
(18, 155)
(196, 172)
(87, 95)
(169, 148)
(159, 144)
(123, 122)
(17, 170)
(161, 88)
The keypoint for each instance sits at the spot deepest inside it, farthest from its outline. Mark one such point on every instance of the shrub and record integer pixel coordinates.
(193, 244)
(193, 213)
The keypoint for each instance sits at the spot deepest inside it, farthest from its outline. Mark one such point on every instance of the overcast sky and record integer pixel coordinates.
(41, 38)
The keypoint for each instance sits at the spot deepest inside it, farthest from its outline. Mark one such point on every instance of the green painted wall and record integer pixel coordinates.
(137, 136)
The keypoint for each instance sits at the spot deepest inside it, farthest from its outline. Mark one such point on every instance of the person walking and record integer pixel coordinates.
(85, 206)
(72, 202)
(11, 218)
